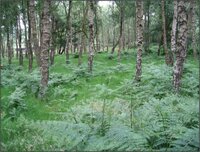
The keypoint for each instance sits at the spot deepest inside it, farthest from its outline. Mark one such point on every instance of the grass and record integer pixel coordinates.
(109, 81)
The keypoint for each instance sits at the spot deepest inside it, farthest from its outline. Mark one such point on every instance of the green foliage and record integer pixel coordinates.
(16, 103)
(103, 111)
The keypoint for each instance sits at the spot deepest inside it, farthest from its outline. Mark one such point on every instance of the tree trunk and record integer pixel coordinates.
(24, 20)
(147, 24)
(139, 38)
(8, 47)
(20, 45)
(102, 37)
(120, 40)
(128, 40)
(82, 36)
(34, 38)
(193, 28)
(91, 38)
(167, 55)
(30, 52)
(97, 48)
(52, 41)
(114, 33)
(45, 48)
(11, 41)
(17, 38)
(84, 22)
(181, 44)
(121, 29)
(174, 26)
(68, 28)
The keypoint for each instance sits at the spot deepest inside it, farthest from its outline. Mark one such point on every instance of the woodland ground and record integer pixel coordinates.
(105, 110)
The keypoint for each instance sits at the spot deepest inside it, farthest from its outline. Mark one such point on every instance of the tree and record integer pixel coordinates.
(91, 37)
(68, 29)
(174, 26)
(147, 25)
(119, 42)
(139, 38)
(30, 52)
(20, 44)
(24, 20)
(34, 38)
(83, 37)
(45, 29)
(121, 35)
(181, 44)
(168, 58)
(193, 28)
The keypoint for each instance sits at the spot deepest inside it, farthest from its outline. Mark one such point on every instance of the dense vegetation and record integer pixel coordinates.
(81, 77)
(102, 111)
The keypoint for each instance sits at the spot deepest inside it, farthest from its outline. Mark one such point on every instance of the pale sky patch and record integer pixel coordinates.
(105, 3)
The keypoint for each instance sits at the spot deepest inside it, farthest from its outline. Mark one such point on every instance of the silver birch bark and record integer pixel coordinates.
(181, 44)
(91, 37)
(45, 46)
(139, 38)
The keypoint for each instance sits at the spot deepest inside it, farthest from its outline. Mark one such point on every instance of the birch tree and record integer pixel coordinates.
(139, 38)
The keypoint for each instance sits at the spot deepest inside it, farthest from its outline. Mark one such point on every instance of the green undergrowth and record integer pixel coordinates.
(103, 111)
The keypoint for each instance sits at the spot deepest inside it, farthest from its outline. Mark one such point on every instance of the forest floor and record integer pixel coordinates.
(105, 110)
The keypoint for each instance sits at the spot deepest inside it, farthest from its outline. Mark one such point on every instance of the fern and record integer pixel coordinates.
(189, 141)
(16, 103)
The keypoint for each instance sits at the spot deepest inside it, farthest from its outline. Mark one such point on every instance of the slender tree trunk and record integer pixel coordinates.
(181, 44)
(20, 45)
(8, 47)
(145, 31)
(97, 48)
(91, 38)
(167, 55)
(3, 49)
(52, 42)
(114, 33)
(24, 20)
(121, 30)
(82, 45)
(174, 27)
(139, 32)
(34, 38)
(30, 52)
(17, 38)
(11, 41)
(148, 25)
(26, 40)
(193, 28)
(83, 39)
(45, 48)
(120, 40)
(68, 28)
(102, 37)
(134, 29)
(128, 41)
